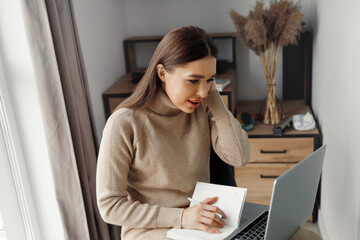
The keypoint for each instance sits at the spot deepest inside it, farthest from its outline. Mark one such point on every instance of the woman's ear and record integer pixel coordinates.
(161, 72)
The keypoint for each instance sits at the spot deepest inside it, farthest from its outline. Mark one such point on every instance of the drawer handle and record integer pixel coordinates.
(281, 151)
(264, 176)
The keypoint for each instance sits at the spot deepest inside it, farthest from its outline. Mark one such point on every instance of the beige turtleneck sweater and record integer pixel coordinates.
(150, 160)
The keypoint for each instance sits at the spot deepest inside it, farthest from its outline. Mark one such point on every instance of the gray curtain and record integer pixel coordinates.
(79, 111)
(66, 110)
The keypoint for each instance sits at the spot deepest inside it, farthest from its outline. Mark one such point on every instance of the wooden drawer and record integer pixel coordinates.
(290, 150)
(259, 178)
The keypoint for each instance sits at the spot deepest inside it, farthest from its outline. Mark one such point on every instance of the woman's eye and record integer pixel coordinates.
(194, 81)
(211, 80)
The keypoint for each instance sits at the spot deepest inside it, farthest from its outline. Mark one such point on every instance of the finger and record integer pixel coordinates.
(210, 200)
(212, 216)
(210, 222)
(208, 229)
(212, 208)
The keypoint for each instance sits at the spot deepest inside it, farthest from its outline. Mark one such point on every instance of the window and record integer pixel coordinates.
(2, 229)
(14, 210)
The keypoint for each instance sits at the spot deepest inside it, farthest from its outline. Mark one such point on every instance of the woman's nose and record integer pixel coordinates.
(202, 90)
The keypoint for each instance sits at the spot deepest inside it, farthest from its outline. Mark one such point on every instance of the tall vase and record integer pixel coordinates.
(272, 114)
(269, 59)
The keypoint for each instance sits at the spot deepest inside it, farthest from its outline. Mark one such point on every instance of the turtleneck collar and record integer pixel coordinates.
(163, 105)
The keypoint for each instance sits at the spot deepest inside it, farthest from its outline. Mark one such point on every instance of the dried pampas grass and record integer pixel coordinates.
(265, 31)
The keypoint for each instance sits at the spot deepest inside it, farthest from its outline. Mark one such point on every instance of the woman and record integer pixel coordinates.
(156, 146)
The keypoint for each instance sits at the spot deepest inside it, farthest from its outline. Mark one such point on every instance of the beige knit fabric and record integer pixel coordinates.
(150, 160)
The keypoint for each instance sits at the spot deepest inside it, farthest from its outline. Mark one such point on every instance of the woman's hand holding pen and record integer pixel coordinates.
(204, 216)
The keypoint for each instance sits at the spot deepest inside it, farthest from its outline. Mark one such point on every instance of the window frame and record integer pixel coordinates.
(19, 220)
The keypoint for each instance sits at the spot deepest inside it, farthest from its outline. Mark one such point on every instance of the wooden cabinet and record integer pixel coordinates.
(273, 155)
(270, 157)
(280, 150)
(124, 87)
(259, 179)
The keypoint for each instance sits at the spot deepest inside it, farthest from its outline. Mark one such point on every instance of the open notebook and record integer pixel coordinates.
(231, 201)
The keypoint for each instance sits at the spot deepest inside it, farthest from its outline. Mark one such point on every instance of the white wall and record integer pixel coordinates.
(336, 98)
(102, 28)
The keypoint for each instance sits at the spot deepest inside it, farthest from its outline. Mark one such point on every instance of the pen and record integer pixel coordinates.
(197, 203)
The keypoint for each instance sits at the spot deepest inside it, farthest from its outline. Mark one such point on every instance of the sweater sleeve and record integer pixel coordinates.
(228, 139)
(114, 162)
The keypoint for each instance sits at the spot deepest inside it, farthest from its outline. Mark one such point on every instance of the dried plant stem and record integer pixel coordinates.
(269, 59)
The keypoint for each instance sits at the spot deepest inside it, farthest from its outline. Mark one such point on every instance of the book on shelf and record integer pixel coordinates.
(230, 200)
(221, 83)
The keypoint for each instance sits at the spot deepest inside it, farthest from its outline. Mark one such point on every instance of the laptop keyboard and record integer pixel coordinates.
(256, 230)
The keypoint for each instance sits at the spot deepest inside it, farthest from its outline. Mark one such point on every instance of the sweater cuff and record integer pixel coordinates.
(169, 217)
(215, 103)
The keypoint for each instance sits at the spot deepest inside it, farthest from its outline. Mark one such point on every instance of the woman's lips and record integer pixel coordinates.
(194, 103)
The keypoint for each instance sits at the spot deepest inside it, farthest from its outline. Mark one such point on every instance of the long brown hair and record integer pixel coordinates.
(180, 46)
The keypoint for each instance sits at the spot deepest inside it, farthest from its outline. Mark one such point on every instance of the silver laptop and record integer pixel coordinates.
(292, 202)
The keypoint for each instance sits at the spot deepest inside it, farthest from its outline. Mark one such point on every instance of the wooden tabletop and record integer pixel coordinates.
(290, 107)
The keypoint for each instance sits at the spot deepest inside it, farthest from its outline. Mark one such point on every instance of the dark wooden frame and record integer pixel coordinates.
(297, 69)
(129, 48)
